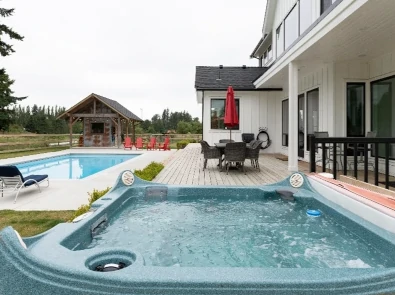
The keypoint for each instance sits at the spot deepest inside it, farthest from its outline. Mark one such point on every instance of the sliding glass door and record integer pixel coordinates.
(312, 114)
(301, 125)
(383, 111)
(355, 109)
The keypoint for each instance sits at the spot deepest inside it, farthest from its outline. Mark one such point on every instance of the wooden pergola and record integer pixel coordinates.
(97, 109)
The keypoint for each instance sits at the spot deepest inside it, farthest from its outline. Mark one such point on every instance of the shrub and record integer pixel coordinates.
(149, 172)
(182, 144)
(93, 196)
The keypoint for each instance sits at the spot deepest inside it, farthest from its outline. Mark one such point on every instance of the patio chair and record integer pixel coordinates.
(128, 143)
(210, 152)
(226, 140)
(165, 145)
(361, 150)
(235, 152)
(252, 153)
(329, 149)
(12, 180)
(247, 137)
(139, 143)
(152, 144)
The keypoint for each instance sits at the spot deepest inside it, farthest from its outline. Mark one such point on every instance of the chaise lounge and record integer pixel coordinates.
(12, 180)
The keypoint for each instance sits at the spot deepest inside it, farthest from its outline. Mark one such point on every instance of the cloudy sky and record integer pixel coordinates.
(141, 53)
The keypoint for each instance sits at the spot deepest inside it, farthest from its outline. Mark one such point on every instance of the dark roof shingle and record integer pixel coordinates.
(216, 78)
(118, 107)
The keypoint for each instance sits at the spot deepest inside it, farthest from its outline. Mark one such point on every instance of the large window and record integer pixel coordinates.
(305, 15)
(97, 128)
(280, 40)
(383, 111)
(355, 109)
(269, 52)
(312, 114)
(285, 122)
(218, 113)
(291, 27)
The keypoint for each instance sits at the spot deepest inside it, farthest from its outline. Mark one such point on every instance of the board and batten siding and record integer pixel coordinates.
(321, 77)
(257, 109)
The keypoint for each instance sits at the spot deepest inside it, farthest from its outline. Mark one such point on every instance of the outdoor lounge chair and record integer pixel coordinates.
(152, 144)
(210, 152)
(12, 180)
(139, 143)
(128, 143)
(165, 145)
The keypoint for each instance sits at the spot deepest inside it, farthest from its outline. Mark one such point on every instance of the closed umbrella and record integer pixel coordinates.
(231, 118)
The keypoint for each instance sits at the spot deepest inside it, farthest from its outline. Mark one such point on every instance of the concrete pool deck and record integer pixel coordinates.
(69, 194)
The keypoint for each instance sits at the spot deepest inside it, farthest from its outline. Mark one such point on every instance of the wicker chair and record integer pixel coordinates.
(226, 140)
(210, 152)
(235, 152)
(252, 153)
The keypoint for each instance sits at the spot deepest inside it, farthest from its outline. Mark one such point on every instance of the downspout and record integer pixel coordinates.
(202, 114)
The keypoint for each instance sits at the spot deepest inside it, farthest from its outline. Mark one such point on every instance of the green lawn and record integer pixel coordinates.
(7, 155)
(30, 223)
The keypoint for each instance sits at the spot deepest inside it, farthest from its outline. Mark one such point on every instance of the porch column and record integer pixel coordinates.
(293, 118)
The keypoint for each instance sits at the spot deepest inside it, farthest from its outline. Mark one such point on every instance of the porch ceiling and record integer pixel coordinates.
(364, 35)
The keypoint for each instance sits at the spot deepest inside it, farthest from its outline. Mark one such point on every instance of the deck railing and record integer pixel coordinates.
(341, 146)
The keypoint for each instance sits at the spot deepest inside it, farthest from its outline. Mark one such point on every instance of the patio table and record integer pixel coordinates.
(221, 146)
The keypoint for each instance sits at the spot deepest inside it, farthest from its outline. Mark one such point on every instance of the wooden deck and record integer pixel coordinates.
(186, 167)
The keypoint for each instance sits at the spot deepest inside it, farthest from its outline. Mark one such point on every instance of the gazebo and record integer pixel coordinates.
(102, 117)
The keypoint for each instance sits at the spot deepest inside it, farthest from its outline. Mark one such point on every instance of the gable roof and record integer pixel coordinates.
(112, 104)
(219, 78)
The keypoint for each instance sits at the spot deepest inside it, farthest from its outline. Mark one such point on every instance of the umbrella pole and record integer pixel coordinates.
(230, 134)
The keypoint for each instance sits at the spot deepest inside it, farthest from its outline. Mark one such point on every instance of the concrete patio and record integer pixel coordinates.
(69, 194)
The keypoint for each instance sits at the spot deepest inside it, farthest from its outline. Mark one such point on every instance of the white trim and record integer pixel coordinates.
(334, 18)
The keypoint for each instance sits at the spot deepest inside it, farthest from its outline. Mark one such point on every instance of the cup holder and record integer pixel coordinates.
(110, 261)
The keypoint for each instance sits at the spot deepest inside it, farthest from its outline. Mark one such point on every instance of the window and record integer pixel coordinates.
(312, 114)
(325, 4)
(280, 40)
(355, 109)
(218, 113)
(285, 122)
(265, 57)
(383, 111)
(291, 27)
(269, 52)
(97, 127)
(305, 14)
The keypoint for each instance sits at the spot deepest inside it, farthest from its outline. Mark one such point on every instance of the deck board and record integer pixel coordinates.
(186, 168)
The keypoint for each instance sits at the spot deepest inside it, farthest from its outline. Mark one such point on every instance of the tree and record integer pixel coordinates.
(7, 100)
(6, 49)
(183, 127)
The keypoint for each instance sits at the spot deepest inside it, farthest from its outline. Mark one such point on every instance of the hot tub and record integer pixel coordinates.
(297, 236)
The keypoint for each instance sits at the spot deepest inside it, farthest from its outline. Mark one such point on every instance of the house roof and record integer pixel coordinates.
(217, 78)
(114, 105)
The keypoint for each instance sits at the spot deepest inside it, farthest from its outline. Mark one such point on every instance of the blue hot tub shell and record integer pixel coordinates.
(53, 263)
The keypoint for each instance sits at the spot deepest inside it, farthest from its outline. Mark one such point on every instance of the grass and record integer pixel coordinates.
(8, 155)
(30, 223)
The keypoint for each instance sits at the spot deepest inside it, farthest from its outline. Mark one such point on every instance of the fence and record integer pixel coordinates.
(358, 146)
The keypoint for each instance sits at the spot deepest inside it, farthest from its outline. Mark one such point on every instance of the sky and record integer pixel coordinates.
(142, 54)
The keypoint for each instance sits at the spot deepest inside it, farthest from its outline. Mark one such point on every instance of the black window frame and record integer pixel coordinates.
(371, 112)
(307, 115)
(298, 14)
(322, 6)
(364, 107)
(237, 100)
(284, 135)
(279, 29)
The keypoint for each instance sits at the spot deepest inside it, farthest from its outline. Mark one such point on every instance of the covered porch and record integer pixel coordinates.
(337, 78)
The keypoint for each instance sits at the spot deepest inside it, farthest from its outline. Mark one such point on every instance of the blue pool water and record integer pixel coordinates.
(72, 166)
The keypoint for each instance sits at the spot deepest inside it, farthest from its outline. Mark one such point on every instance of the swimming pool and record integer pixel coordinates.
(73, 166)
(206, 240)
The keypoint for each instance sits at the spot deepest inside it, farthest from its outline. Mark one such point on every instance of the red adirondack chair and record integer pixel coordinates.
(128, 143)
(139, 143)
(152, 144)
(165, 145)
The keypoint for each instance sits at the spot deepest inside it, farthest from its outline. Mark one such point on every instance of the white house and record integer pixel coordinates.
(324, 65)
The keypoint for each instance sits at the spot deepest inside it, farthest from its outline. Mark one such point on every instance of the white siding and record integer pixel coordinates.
(282, 9)
(255, 111)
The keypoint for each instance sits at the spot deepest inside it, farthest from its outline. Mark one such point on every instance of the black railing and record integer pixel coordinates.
(355, 145)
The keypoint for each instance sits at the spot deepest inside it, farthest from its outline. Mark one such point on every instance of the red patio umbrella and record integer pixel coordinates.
(231, 118)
